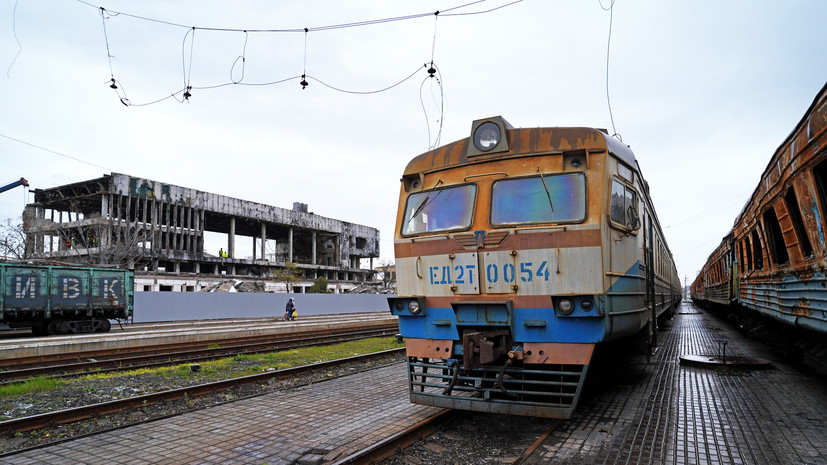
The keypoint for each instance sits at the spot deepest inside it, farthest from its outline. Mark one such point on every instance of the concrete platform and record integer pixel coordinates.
(665, 413)
(175, 333)
(315, 424)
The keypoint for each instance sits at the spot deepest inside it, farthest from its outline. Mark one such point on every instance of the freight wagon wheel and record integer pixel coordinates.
(104, 326)
(55, 327)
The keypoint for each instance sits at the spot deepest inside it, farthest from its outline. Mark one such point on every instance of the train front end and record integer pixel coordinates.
(500, 269)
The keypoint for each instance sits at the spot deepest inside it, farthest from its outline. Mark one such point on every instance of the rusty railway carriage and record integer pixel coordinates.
(773, 262)
(517, 252)
(64, 299)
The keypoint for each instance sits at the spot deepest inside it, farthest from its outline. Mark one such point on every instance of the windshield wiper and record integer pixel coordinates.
(546, 187)
(422, 205)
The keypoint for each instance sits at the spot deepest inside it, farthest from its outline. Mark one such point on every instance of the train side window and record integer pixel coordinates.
(798, 223)
(623, 206)
(741, 253)
(820, 175)
(749, 253)
(756, 251)
(775, 238)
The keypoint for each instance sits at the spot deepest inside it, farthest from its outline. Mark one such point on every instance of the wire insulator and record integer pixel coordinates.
(304, 82)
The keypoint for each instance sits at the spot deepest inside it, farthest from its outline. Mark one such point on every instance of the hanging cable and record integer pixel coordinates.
(56, 153)
(610, 9)
(186, 92)
(187, 70)
(368, 92)
(432, 71)
(243, 58)
(304, 68)
(14, 32)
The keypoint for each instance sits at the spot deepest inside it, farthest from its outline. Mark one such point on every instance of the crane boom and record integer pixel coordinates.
(21, 181)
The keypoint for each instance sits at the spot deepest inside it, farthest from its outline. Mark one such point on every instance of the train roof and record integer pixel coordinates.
(820, 98)
(522, 141)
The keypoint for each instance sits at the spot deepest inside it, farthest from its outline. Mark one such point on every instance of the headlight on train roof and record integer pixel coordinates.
(565, 306)
(487, 136)
(413, 307)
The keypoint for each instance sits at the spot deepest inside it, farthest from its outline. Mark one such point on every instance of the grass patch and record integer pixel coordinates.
(247, 364)
(230, 367)
(39, 384)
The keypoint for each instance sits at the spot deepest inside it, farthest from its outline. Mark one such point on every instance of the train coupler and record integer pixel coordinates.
(483, 348)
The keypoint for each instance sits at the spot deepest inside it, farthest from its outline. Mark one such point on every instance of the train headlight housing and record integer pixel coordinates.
(587, 305)
(487, 136)
(565, 306)
(413, 307)
(399, 305)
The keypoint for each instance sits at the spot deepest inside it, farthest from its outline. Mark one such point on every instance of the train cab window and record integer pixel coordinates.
(623, 205)
(775, 238)
(798, 223)
(539, 199)
(450, 208)
(756, 251)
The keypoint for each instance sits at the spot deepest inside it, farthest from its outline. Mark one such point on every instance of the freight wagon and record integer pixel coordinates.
(64, 299)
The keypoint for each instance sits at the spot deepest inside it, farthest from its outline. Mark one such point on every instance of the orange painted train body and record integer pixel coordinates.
(517, 252)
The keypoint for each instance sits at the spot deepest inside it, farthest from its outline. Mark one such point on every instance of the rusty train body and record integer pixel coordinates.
(518, 251)
(773, 262)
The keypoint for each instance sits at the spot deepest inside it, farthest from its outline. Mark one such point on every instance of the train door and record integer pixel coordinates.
(625, 293)
(651, 305)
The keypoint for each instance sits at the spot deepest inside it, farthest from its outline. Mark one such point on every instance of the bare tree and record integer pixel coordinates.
(388, 270)
(288, 275)
(12, 240)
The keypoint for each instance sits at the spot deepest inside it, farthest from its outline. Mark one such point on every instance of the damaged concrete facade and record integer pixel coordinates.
(159, 230)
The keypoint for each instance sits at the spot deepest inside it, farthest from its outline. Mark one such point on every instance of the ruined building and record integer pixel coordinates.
(159, 230)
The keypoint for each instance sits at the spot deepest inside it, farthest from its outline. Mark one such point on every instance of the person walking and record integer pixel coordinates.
(290, 310)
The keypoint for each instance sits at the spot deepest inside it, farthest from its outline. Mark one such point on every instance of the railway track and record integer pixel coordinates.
(391, 445)
(73, 364)
(90, 411)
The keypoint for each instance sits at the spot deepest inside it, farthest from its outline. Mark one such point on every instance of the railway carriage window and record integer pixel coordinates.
(749, 253)
(539, 199)
(756, 251)
(820, 175)
(439, 210)
(798, 223)
(741, 252)
(623, 205)
(775, 238)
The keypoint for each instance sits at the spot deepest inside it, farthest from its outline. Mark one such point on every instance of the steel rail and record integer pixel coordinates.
(161, 348)
(390, 445)
(171, 356)
(398, 441)
(89, 411)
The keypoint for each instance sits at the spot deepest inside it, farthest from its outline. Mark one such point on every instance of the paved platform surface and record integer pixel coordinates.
(667, 413)
(314, 424)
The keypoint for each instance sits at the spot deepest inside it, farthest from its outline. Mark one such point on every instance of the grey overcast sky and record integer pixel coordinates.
(703, 91)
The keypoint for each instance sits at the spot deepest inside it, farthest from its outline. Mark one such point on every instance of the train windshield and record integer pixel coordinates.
(539, 199)
(439, 210)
